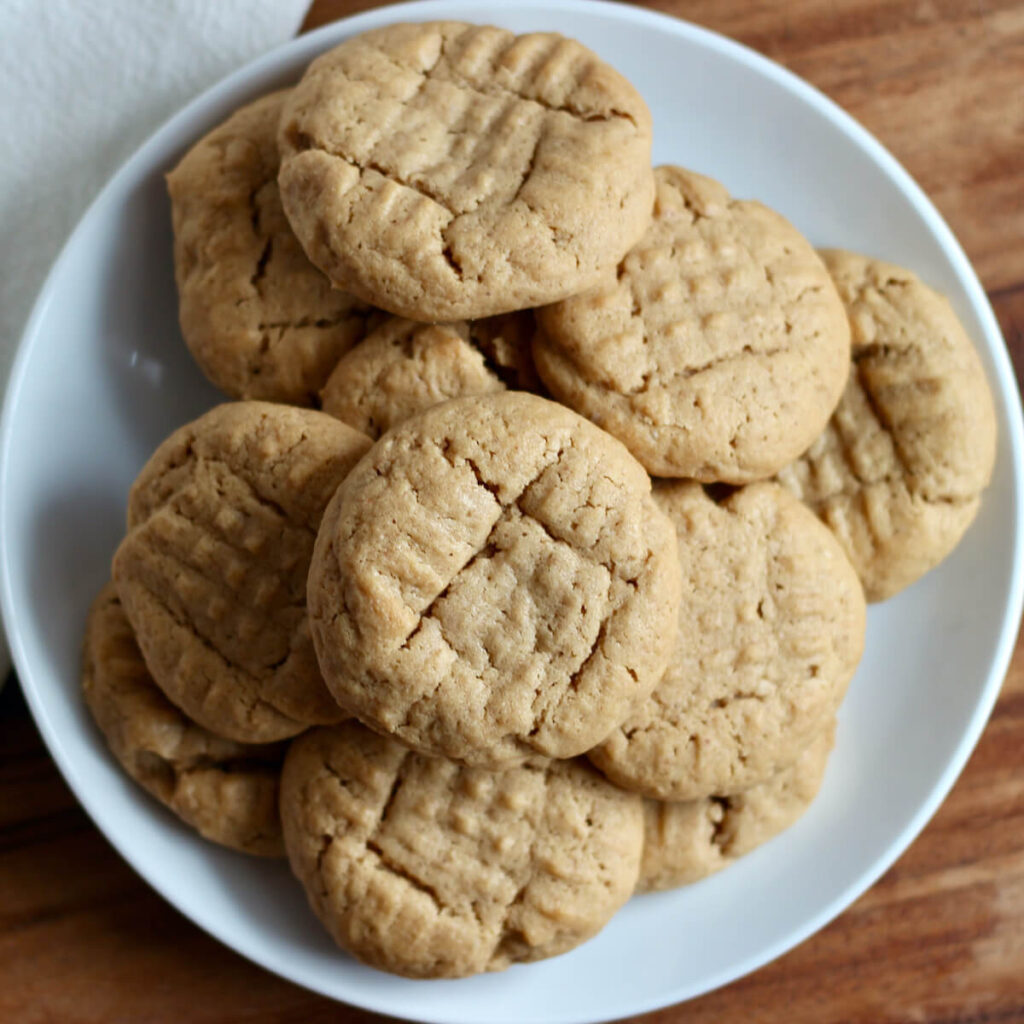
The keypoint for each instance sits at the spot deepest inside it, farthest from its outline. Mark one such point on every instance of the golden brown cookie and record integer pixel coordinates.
(897, 474)
(212, 572)
(405, 367)
(718, 349)
(445, 171)
(227, 791)
(259, 318)
(431, 870)
(493, 582)
(770, 630)
(687, 841)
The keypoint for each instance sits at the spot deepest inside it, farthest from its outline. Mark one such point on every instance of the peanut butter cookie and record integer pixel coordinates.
(687, 841)
(212, 572)
(226, 791)
(718, 349)
(259, 318)
(424, 868)
(493, 582)
(897, 474)
(446, 171)
(770, 631)
(405, 367)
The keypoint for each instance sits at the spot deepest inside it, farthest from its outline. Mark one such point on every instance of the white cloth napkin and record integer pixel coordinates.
(82, 84)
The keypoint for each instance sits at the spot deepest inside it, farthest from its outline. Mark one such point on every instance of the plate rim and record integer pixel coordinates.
(424, 10)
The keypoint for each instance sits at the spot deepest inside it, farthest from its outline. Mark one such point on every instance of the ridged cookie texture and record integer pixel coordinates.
(494, 581)
(259, 318)
(431, 870)
(212, 571)
(405, 367)
(689, 840)
(770, 630)
(446, 171)
(226, 791)
(718, 348)
(897, 474)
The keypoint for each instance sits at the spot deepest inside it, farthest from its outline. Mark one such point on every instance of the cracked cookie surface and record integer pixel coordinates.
(431, 870)
(770, 631)
(718, 348)
(405, 367)
(227, 791)
(259, 318)
(212, 571)
(689, 840)
(446, 171)
(897, 474)
(493, 582)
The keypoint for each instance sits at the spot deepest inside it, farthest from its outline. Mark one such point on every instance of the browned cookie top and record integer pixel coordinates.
(770, 630)
(227, 791)
(716, 351)
(898, 472)
(494, 581)
(259, 318)
(424, 868)
(212, 572)
(449, 171)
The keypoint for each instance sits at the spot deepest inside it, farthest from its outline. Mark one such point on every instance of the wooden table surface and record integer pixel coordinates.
(941, 937)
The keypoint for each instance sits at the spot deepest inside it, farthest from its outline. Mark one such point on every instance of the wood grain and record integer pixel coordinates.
(941, 937)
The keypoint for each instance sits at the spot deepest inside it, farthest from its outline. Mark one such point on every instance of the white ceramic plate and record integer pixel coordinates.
(102, 376)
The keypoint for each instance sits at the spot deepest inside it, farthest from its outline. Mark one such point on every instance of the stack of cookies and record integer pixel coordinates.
(526, 568)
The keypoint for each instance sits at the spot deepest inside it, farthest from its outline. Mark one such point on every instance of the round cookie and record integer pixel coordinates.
(770, 630)
(227, 791)
(898, 472)
(259, 318)
(405, 367)
(212, 572)
(431, 870)
(719, 348)
(689, 840)
(446, 171)
(493, 582)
